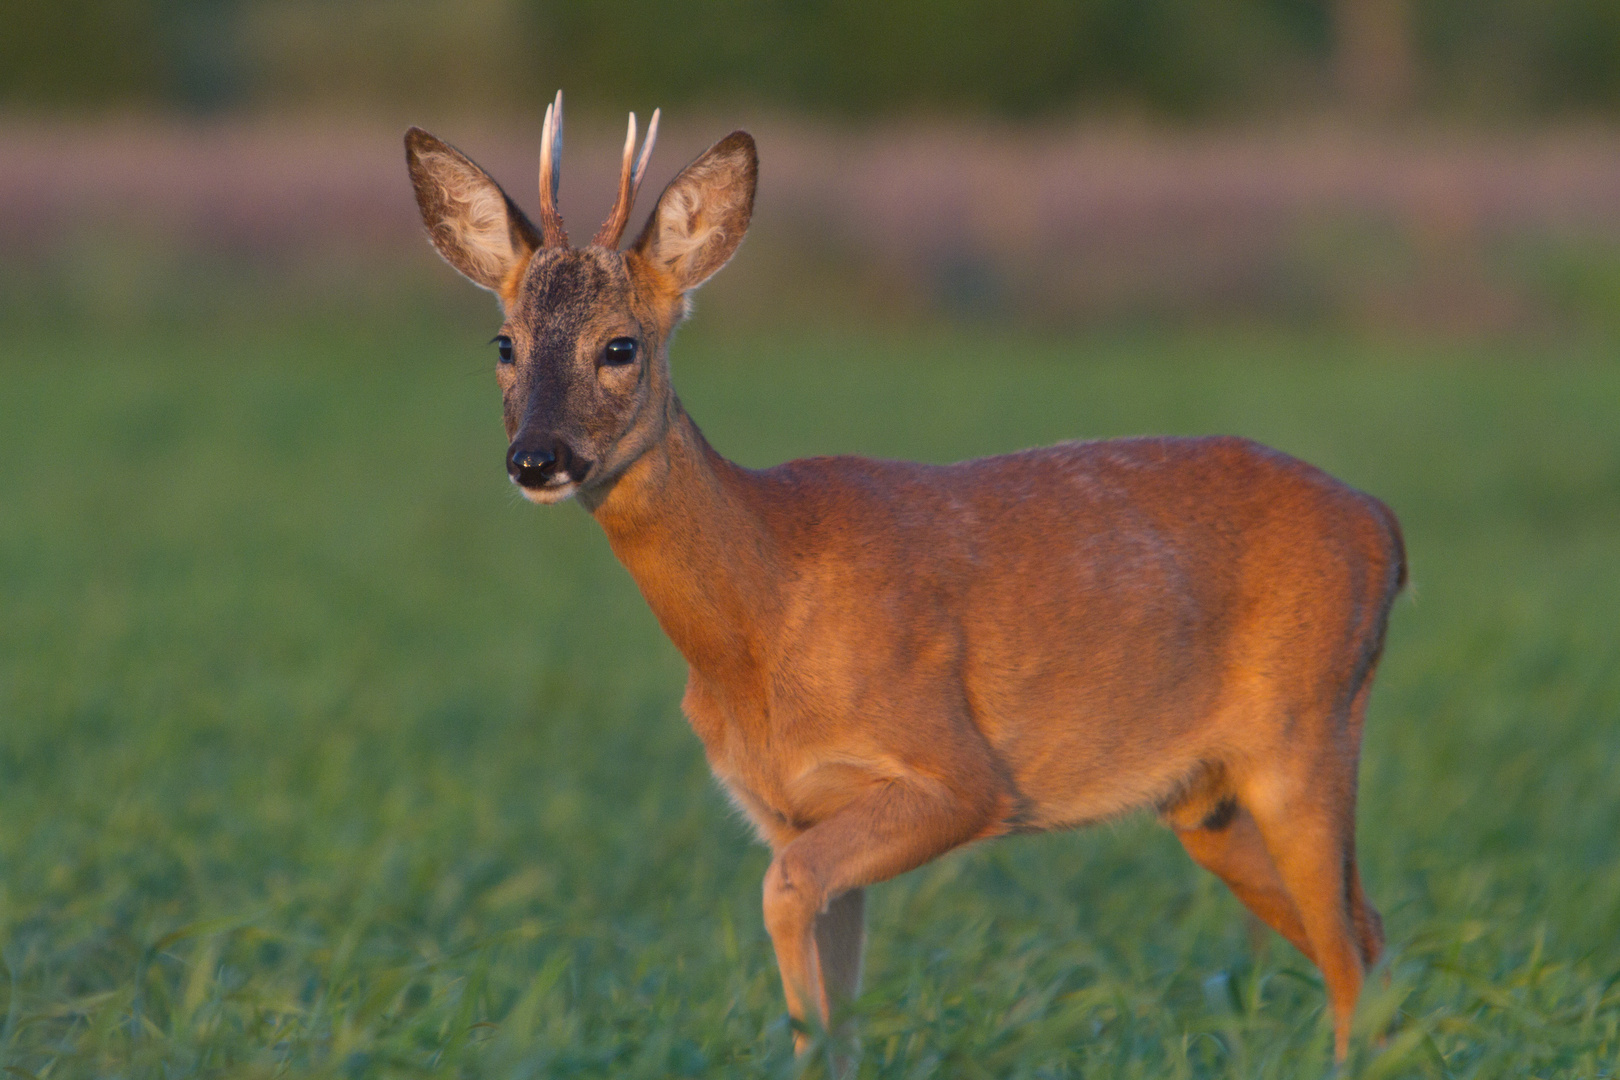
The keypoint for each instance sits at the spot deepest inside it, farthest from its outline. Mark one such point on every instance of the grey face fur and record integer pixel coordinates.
(563, 394)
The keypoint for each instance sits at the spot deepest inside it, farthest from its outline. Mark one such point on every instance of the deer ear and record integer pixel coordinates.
(702, 216)
(475, 226)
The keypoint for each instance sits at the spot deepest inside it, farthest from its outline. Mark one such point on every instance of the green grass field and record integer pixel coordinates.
(321, 754)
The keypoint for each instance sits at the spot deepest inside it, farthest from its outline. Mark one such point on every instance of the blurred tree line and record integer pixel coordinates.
(848, 58)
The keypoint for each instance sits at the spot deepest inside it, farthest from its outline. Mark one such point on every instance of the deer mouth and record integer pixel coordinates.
(552, 491)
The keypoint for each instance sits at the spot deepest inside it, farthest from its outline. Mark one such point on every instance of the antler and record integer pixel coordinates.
(629, 183)
(551, 222)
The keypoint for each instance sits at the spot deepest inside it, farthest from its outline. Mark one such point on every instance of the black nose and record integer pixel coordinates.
(538, 462)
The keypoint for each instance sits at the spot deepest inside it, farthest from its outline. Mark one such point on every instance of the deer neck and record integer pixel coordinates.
(681, 521)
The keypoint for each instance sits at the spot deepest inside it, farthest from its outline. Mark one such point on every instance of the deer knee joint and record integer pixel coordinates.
(793, 896)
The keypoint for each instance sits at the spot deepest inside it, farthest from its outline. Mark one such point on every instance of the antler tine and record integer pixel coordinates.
(608, 235)
(630, 173)
(551, 223)
(646, 152)
(545, 156)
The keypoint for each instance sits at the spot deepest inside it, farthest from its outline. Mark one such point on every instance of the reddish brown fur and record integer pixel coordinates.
(891, 660)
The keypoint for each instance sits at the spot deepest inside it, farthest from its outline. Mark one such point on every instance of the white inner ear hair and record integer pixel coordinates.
(684, 228)
(474, 224)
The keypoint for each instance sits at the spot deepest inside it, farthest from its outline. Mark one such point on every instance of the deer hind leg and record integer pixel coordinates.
(1310, 835)
(1227, 843)
(1369, 926)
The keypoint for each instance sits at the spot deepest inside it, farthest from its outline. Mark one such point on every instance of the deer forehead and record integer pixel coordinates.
(571, 294)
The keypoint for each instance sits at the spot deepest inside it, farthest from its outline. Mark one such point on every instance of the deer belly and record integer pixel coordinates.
(1067, 783)
(1084, 744)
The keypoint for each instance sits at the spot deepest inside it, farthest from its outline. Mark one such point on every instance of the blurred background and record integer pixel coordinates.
(322, 754)
(1433, 165)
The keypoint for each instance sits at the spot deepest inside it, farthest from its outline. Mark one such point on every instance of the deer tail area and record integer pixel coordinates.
(1393, 524)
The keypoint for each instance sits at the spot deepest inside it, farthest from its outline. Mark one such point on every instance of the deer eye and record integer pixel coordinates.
(619, 351)
(504, 344)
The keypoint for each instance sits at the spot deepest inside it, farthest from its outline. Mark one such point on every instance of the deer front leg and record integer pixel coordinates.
(812, 889)
(840, 938)
(840, 941)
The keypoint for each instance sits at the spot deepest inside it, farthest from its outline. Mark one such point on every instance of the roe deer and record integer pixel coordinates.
(891, 660)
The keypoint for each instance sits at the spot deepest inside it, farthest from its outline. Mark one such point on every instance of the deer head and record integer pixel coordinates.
(583, 363)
